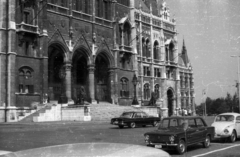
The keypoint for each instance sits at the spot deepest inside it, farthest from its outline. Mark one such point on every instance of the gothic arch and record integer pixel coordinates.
(81, 51)
(103, 63)
(106, 55)
(80, 72)
(57, 56)
(58, 45)
(156, 50)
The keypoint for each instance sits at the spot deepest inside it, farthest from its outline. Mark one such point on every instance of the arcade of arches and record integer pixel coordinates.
(94, 79)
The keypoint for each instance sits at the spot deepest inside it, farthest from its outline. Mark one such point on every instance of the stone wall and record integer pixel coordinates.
(73, 114)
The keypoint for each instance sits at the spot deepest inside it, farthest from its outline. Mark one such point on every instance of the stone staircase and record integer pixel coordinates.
(42, 109)
(104, 111)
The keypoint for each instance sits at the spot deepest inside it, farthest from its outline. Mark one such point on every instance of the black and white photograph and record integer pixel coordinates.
(119, 78)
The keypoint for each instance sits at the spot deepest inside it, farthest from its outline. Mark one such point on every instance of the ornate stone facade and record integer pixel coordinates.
(101, 44)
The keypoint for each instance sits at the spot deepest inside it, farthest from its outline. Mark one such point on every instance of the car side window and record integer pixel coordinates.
(191, 123)
(138, 115)
(199, 123)
(238, 119)
(144, 115)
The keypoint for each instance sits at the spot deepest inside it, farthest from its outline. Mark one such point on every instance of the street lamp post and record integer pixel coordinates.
(238, 83)
(135, 81)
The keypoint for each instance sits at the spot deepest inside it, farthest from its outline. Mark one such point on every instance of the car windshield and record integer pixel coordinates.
(172, 123)
(127, 115)
(224, 118)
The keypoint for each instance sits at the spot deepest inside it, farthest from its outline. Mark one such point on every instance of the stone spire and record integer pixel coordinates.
(184, 54)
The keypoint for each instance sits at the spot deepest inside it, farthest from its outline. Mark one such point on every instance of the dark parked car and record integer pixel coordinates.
(180, 132)
(135, 118)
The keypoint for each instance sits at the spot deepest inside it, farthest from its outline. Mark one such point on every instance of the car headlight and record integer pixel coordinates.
(171, 138)
(226, 131)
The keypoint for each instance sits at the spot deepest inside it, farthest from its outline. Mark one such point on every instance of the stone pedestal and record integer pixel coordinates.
(8, 114)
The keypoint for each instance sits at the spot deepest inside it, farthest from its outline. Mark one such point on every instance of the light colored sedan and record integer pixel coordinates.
(227, 125)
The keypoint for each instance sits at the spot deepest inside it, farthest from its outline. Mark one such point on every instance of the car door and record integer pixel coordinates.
(191, 131)
(238, 125)
(138, 118)
(145, 119)
(201, 129)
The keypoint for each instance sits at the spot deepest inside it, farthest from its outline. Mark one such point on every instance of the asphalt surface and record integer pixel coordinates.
(22, 136)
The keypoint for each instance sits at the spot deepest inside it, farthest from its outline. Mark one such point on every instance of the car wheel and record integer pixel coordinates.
(206, 142)
(132, 125)
(181, 147)
(120, 126)
(155, 123)
(233, 137)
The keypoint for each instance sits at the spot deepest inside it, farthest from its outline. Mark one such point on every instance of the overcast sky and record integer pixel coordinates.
(211, 29)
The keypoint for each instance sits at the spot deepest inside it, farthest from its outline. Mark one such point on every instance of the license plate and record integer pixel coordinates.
(158, 146)
(116, 122)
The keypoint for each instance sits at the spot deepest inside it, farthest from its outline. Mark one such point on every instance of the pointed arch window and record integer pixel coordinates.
(171, 52)
(106, 6)
(26, 80)
(167, 53)
(148, 49)
(138, 45)
(156, 90)
(124, 92)
(146, 91)
(98, 8)
(77, 5)
(127, 34)
(86, 6)
(155, 50)
(143, 47)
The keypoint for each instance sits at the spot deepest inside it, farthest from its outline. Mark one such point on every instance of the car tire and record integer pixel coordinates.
(233, 137)
(181, 147)
(155, 123)
(206, 142)
(120, 126)
(150, 145)
(132, 125)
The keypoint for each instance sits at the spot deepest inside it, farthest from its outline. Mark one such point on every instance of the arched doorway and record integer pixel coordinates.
(55, 62)
(80, 75)
(102, 80)
(170, 102)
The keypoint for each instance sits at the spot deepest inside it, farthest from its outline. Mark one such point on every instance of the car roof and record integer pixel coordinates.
(183, 117)
(133, 112)
(230, 113)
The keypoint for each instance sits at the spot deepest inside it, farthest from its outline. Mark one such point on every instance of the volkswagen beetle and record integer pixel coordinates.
(227, 126)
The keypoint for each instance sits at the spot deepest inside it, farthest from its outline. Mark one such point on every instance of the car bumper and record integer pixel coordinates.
(162, 144)
(218, 136)
(118, 123)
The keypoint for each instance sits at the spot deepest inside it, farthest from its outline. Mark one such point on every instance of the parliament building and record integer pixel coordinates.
(55, 47)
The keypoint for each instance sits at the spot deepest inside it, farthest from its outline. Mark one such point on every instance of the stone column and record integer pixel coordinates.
(91, 70)
(8, 61)
(111, 83)
(68, 84)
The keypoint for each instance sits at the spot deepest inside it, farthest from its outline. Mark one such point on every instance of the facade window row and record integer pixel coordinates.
(26, 80)
(124, 92)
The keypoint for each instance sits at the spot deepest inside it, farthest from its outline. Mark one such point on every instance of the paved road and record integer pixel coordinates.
(15, 137)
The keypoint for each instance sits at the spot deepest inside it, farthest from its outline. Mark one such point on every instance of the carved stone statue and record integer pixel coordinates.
(81, 96)
(153, 99)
